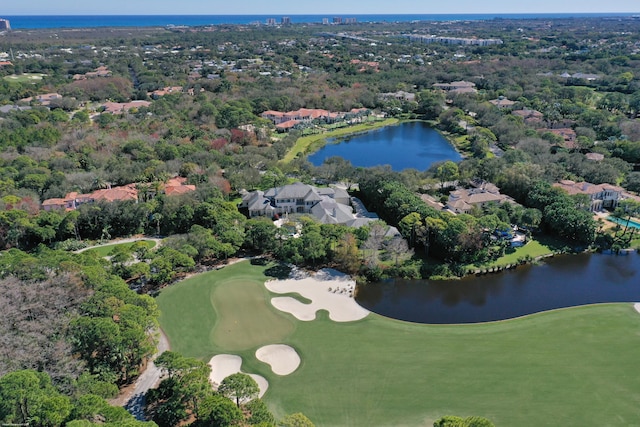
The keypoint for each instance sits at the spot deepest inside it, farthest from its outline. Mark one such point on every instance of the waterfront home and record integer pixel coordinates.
(603, 196)
(328, 205)
(305, 116)
(481, 194)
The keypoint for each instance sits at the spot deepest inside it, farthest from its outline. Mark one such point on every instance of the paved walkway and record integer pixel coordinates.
(119, 241)
(133, 399)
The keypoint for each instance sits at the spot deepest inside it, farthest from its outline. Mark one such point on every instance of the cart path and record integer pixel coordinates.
(133, 399)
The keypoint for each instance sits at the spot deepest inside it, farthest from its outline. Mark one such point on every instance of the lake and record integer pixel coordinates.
(562, 281)
(407, 145)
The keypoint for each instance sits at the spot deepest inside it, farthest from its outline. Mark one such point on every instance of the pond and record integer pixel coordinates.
(563, 281)
(407, 145)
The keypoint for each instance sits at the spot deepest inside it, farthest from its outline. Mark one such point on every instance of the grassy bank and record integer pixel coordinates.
(572, 366)
(532, 250)
(306, 143)
(105, 250)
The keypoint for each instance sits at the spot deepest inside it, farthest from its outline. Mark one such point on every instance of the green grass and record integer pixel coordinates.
(216, 312)
(25, 78)
(105, 250)
(245, 318)
(305, 143)
(533, 249)
(572, 367)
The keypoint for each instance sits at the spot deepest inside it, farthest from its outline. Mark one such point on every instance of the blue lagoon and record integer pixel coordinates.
(404, 146)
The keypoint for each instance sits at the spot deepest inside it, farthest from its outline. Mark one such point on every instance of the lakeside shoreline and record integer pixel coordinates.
(309, 144)
(305, 144)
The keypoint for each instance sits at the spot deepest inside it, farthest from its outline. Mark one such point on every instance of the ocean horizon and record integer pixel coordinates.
(19, 22)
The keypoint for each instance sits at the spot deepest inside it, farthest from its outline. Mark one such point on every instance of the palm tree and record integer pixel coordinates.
(99, 183)
(157, 217)
(105, 233)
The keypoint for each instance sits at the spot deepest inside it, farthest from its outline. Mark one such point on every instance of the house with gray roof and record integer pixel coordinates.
(329, 205)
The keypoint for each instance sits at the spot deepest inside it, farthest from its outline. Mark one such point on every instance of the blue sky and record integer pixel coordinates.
(293, 7)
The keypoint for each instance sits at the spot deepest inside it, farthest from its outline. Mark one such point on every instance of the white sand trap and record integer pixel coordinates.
(328, 290)
(262, 383)
(637, 306)
(224, 365)
(283, 359)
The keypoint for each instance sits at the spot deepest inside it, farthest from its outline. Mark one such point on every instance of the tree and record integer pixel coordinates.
(450, 421)
(447, 171)
(259, 413)
(260, 234)
(313, 242)
(28, 397)
(218, 411)
(372, 245)
(430, 104)
(186, 391)
(157, 217)
(570, 223)
(454, 421)
(34, 314)
(346, 254)
(632, 182)
(239, 386)
(172, 363)
(296, 420)
(398, 247)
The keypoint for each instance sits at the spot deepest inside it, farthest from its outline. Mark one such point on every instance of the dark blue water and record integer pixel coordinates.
(408, 145)
(83, 21)
(564, 281)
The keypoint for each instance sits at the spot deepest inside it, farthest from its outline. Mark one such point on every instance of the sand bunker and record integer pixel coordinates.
(282, 358)
(327, 289)
(224, 365)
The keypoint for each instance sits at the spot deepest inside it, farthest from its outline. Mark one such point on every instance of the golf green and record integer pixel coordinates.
(573, 367)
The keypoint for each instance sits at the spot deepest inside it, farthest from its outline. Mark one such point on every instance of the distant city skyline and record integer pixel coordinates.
(326, 7)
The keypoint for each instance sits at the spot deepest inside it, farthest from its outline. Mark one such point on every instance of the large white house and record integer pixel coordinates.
(329, 205)
(601, 195)
(299, 198)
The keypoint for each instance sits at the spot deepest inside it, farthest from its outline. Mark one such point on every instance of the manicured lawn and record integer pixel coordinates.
(303, 143)
(25, 78)
(105, 250)
(245, 318)
(533, 248)
(220, 311)
(573, 367)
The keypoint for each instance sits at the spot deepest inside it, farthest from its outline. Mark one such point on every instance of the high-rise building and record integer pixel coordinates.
(337, 20)
(271, 21)
(286, 20)
(4, 24)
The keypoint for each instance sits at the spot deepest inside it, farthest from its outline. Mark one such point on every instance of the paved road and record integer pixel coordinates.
(118, 241)
(133, 400)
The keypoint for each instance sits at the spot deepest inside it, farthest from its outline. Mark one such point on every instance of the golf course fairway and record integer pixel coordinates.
(571, 367)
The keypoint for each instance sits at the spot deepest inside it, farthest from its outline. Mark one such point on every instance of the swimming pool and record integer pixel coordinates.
(623, 222)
